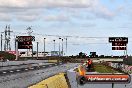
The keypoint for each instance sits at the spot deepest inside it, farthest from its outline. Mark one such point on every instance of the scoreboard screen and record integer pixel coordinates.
(118, 48)
(25, 42)
(24, 46)
(118, 44)
(118, 39)
(25, 38)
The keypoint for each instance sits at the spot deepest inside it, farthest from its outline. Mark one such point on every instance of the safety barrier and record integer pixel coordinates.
(122, 67)
(57, 81)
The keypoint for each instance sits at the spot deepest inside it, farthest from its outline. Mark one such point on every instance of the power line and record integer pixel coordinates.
(66, 36)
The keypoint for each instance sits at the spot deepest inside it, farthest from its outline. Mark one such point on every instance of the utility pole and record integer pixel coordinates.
(7, 38)
(5, 45)
(29, 32)
(9, 48)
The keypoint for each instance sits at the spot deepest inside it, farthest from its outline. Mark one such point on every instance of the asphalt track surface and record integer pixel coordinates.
(20, 69)
(24, 77)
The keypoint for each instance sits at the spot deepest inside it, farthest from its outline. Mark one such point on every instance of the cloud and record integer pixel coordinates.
(104, 12)
(60, 17)
(28, 15)
(27, 18)
(88, 25)
(5, 17)
(31, 10)
(46, 3)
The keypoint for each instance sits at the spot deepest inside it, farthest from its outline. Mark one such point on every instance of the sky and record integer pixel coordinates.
(87, 24)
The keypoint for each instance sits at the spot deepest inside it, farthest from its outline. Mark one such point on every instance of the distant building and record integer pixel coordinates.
(55, 53)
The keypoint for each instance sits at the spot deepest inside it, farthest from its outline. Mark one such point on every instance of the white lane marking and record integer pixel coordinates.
(26, 69)
(11, 71)
(31, 68)
(50, 65)
(55, 64)
(17, 70)
(43, 66)
(4, 72)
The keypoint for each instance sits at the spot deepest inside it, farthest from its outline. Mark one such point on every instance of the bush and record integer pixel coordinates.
(7, 55)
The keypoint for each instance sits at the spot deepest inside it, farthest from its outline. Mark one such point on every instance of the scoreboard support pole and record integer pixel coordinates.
(32, 51)
(126, 49)
(125, 52)
(112, 85)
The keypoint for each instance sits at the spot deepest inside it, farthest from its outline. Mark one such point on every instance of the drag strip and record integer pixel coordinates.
(25, 69)
(30, 77)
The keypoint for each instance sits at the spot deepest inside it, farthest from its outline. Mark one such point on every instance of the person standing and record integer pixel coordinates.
(89, 63)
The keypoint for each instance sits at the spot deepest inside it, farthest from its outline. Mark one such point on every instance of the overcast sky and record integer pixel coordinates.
(78, 20)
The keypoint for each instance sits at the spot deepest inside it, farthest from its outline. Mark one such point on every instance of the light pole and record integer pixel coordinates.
(66, 46)
(16, 40)
(1, 42)
(37, 50)
(44, 47)
(62, 47)
(54, 45)
(59, 46)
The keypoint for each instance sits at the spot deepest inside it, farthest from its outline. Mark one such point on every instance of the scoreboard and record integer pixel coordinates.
(118, 43)
(25, 42)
